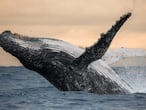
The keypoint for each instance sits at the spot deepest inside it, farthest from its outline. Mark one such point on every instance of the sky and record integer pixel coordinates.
(79, 22)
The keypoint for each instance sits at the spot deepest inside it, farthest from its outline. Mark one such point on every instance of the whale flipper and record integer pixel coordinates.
(96, 51)
(65, 65)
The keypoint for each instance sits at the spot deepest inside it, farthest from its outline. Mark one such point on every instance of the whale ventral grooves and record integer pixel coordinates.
(67, 67)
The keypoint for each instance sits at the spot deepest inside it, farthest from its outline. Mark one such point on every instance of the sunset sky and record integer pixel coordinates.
(76, 21)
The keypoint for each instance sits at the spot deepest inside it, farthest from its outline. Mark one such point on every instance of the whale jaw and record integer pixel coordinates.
(67, 67)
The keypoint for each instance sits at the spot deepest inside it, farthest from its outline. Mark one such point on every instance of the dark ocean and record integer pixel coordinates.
(22, 89)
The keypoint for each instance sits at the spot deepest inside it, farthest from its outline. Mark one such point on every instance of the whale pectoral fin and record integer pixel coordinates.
(96, 51)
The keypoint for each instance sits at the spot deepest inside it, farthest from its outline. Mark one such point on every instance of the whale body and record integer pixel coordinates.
(68, 67)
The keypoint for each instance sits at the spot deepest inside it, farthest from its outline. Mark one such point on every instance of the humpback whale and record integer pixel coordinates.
(67, 67)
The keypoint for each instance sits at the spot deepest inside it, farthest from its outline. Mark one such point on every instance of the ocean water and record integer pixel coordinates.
(135, 76)
(22, 89)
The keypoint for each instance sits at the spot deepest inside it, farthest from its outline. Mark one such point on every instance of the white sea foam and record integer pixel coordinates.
(134, 76)
(103, 69)
(113, 56)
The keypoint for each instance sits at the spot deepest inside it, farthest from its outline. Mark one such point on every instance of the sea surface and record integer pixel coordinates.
(22, 89)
